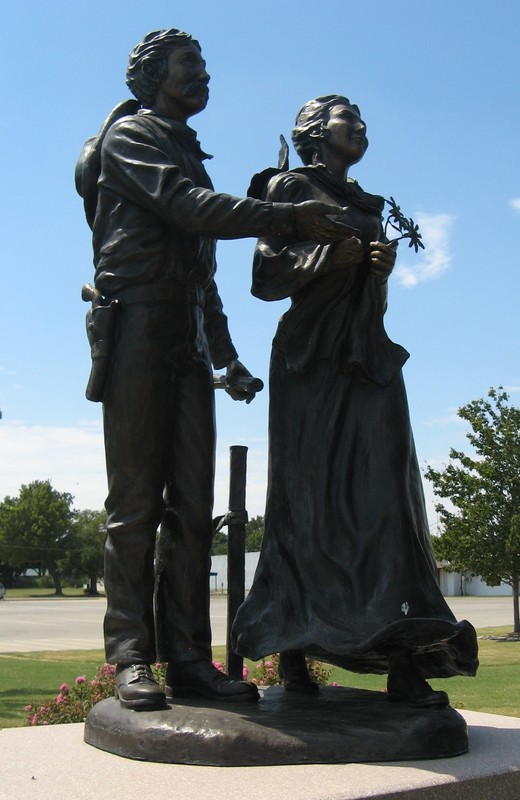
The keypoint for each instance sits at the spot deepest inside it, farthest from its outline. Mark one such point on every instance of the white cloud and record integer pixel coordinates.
(435, 259)
(450, 417)
(515, 203)
(73, 459)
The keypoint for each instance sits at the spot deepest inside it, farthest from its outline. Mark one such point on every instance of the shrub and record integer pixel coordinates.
(73, 703)
(265, 673)
(44, 582)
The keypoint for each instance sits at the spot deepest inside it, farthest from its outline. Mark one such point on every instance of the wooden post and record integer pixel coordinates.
(236, 550)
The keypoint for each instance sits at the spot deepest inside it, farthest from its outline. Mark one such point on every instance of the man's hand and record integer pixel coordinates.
(382, 257)
(240, 384)
(313, 223)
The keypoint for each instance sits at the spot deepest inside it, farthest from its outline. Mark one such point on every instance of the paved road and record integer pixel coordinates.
(76, 624)
(483, 612)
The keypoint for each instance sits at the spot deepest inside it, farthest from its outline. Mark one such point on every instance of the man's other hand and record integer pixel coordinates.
(240, 384)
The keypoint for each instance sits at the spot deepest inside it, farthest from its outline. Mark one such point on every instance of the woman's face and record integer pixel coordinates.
(346, 134)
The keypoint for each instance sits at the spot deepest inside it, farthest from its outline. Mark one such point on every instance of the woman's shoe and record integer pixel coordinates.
(292, 668)
(405, 685)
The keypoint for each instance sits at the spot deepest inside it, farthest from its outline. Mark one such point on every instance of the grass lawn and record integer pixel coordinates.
(28, 678)
(32, 678)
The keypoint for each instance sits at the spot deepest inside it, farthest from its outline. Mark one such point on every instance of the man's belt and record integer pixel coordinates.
(157, 293)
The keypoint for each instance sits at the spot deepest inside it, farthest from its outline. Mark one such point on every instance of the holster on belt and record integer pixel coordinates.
(100, 322)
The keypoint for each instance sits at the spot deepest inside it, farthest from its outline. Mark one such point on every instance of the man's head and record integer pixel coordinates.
(166, 69)
(310, 128)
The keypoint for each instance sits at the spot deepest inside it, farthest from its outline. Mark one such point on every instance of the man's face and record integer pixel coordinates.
(184, 92)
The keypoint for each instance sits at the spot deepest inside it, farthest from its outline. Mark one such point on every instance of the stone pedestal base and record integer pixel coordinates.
(336, 726)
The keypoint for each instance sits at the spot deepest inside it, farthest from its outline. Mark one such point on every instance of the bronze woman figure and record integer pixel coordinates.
(346, 572)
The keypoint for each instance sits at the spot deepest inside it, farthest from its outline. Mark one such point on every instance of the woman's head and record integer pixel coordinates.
(310, 129)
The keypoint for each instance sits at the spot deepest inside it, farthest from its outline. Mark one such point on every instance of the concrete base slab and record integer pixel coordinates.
(39, 763)
(337, 725)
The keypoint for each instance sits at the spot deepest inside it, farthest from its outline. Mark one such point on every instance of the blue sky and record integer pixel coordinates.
(437, 83)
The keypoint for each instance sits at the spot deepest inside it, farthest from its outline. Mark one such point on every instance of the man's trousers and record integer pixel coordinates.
(159, 422)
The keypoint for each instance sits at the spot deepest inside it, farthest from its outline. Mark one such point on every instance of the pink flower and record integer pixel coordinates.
(28, 708)
(80, 679)
(268, 664)
(218, 665)
(59, 700)
(245, 673)
(254, 680)
(64, 688)
(260, 665)
(34, 719)
(334, 683)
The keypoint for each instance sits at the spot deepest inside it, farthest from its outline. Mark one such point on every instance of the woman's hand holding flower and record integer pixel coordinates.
(382, 259)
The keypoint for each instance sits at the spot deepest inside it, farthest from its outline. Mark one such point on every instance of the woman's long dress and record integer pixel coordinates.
(346, 571)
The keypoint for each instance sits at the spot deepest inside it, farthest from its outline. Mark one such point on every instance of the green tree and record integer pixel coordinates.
(86, 548)
(482, 532)
(254, 534)
(253, 538)
(35, 529)
(220, 544)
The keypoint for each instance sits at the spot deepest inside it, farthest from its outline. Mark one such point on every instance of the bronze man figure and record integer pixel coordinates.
(155, 218)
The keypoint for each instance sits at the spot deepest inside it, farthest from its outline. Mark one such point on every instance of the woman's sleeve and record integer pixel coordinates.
(282, 267)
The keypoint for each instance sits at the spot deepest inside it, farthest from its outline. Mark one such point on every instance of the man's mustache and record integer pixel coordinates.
(195, 87)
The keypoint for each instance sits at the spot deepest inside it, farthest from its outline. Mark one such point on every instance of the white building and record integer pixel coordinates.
(218, 577)
(456, 584)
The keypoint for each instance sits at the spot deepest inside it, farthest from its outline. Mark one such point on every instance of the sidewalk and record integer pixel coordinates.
(39, 763)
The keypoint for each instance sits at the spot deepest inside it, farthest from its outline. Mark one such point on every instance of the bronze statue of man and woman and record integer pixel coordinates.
(346, 572)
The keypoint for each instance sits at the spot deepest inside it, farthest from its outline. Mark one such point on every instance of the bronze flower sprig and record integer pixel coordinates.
(407, 228)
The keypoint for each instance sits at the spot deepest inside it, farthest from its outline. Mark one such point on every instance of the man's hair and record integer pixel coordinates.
(309, 127)
(148, 62)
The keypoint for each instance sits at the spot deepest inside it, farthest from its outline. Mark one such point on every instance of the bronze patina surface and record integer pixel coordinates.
(337, 725)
